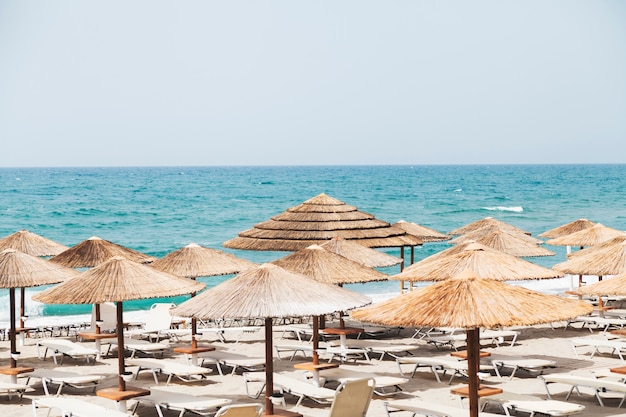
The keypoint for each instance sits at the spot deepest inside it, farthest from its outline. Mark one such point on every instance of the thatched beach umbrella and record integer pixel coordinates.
(613, 286)
(425, 234)
(359, 253)
(471, 303)
(590, 236)
(566, 229)
(601, 262)
(316, 221)
(490, 229)
(514, 244)
(193, 261)
(600, 246)
(19, 270)
(118, 280)
(268, 292)
(485, 262)
(32, 244)
(94, 251)
(487, 221)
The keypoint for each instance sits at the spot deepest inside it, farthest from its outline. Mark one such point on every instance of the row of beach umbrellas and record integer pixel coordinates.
(468, 262)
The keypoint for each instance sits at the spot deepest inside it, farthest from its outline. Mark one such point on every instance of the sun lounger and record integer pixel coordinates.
(512, 402)
(603, 323)
(352, 398)
(158, 324)
(64, 378)
(137, 345)
(382, 348)
(234, 333)
(383, 385)
(63, 347)
(240, 410)
(11, 389)
(599, 385)
(170, 368)
(496, 337)
(290, 385)
(169, 400)
(515, 363)
(221, 358)
(72, 407)
(436, 364)
(294, 348)
(616, 346)
(303, 333)
(429, 409)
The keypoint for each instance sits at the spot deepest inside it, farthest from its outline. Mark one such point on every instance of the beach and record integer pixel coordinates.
(541, 342)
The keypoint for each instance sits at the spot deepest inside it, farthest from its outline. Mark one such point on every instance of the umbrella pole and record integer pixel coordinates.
(22, 304)
(97, 310)
(473, 348)
(316, 326)
(120, 346)
(12, 326)
(269, 368)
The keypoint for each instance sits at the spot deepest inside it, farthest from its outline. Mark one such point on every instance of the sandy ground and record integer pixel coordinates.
(539, 342)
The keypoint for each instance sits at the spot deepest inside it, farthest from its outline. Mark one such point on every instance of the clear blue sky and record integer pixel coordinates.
(115, 83)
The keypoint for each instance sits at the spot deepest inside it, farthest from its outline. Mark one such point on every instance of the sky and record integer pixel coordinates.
(202, 83)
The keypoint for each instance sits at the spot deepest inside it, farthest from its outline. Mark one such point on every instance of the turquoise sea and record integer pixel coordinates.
(158, 210)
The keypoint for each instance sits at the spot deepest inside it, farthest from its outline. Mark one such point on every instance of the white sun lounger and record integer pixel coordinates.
(138, 345)
(436, 364)
(63, 347)
(182, 402)
(383, 385)
(221, 358)
(63, 378)
(294, 348)
(599, 385)
(515, 363)
(616, 346)
(290, 385)
(235, 333)
(383, 348)
(11, 389)
(496, 337)
(512, 402)
(170, 368)
(429, 409)
(72, 407)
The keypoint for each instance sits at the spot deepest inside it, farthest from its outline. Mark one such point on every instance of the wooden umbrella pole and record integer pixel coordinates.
(120, 346)
(269, 368)
(97, 308)
(472, 365)
(12, 332)
(316, 341)
(22, 304)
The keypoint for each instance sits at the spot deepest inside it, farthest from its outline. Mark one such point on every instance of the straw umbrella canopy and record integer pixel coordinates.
(613, 286)
(492, 228)
(425, 234)
(316, 221)
(19, 270)
(513, 244)
(31, 244)
(94, 251)
(485, 262)
(566, 229)
(590, 236)
(469, 302)
(487, 221)
(268, 292)
(194, 261)
(359, 253)
(118, 280)
(610, 260)
(325, 266)
(600, 246)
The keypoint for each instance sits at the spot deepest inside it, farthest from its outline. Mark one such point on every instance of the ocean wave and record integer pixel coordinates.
(516, 209)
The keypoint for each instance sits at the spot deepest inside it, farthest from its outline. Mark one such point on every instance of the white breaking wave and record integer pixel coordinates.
(517, 209)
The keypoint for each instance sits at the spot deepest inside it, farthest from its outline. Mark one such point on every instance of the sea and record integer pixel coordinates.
(157, 210)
